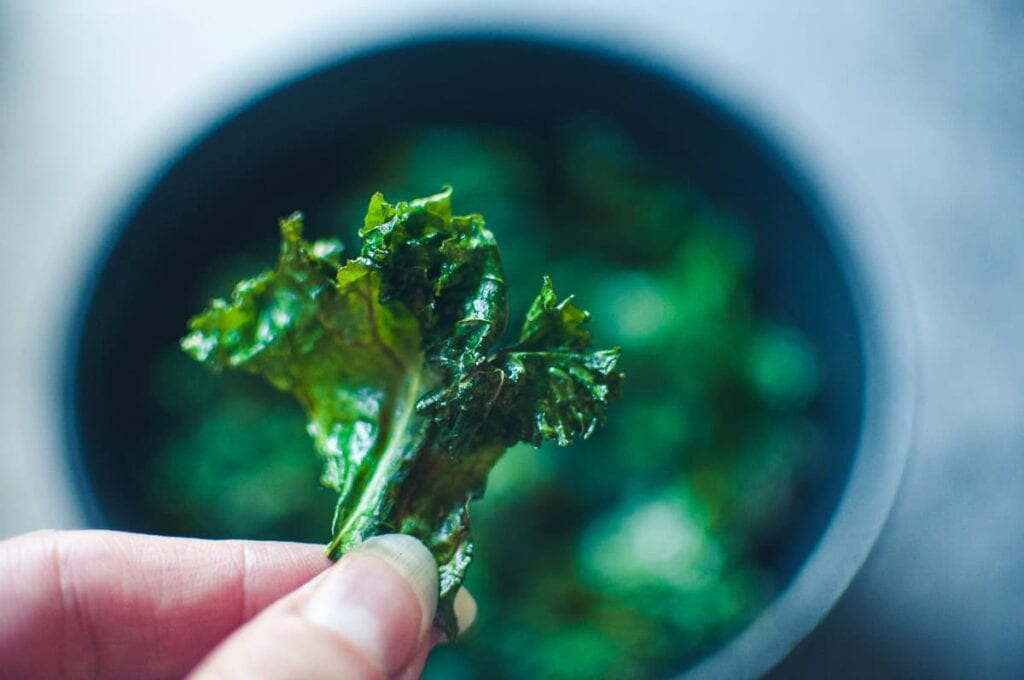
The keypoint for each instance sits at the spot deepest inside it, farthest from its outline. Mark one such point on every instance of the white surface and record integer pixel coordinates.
(914, 108)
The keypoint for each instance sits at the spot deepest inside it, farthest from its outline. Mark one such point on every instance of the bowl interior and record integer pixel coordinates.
(297, 144)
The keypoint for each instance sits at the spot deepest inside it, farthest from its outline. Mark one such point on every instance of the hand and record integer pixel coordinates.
(108, 604)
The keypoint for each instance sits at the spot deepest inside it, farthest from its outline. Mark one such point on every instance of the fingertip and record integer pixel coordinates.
(465, 609)
(414, 562)
(380, 598)
(369, 615)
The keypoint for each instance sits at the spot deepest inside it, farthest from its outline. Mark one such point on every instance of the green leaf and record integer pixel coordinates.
(393, 356)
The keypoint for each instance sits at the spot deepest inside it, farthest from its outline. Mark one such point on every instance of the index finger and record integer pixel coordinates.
(110, 604)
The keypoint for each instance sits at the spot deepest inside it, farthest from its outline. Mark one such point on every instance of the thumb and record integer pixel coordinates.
(369, 616)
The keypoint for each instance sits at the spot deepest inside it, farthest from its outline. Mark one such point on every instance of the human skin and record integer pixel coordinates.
(109, 604)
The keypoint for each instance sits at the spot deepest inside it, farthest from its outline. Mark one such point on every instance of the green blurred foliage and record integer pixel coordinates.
(623, 556)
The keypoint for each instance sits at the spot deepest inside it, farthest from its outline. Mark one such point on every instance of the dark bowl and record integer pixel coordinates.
(301, 141)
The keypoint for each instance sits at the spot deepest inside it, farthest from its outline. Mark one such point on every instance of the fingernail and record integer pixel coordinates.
(380, 597)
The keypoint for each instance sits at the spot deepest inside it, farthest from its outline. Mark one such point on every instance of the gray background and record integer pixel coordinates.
(914, 111)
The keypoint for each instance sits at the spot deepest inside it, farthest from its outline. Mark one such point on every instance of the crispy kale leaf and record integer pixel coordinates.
(393, 356)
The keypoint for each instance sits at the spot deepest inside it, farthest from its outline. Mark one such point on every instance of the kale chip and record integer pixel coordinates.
(393, 355)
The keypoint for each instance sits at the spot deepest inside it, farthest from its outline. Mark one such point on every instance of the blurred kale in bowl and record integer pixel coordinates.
(627, 554)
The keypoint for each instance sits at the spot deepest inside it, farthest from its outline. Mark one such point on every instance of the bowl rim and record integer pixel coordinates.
(867, 261)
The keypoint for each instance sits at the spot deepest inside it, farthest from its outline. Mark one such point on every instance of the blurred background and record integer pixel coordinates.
(909, 115)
